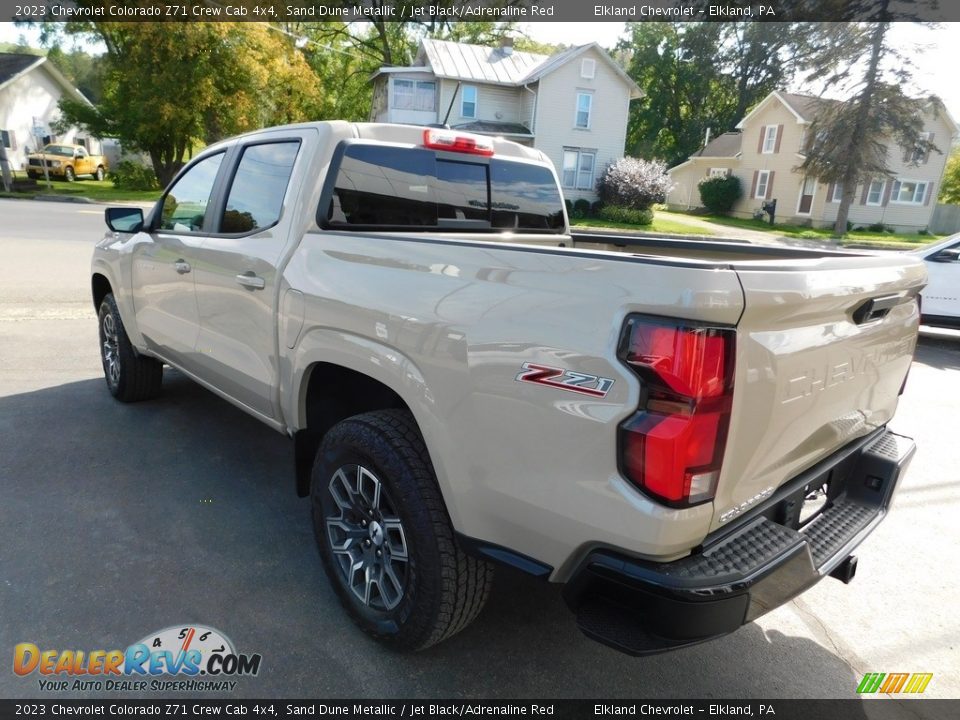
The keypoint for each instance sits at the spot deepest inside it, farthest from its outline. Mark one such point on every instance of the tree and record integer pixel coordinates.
(169, 87)
(685, 92)
(849, 139)
(950, 189)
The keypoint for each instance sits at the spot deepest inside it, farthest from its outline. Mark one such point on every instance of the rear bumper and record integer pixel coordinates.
(743, 571)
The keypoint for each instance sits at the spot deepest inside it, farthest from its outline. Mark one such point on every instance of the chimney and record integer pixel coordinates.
(506, 45)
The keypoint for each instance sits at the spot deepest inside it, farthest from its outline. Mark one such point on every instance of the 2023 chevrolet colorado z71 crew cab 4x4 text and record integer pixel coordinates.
(684, 434)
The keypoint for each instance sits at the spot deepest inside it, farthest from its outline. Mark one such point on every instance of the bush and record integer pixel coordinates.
(134, 176)
(595, 208)
(718, 194)
(634, 184)
(879, 228)
(581, 208)
(631, 216)
(566, 201)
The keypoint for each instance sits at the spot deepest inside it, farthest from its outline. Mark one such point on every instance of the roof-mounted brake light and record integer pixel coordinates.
(453, 141)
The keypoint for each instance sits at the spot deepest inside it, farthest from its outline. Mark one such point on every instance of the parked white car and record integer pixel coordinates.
(941, 298)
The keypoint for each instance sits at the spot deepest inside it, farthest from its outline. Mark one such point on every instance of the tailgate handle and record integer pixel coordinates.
(875, 308)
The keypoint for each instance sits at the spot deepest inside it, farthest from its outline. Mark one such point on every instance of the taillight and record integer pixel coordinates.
(453, 141)
(672, 448)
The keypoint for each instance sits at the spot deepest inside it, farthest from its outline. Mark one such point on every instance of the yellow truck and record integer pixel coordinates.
(66, 162)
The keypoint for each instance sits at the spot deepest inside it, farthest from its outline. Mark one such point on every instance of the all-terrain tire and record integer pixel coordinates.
(130, 377)
(443, 589)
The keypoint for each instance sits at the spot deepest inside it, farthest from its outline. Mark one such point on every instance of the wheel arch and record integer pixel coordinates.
(330, 393)
(100, 287)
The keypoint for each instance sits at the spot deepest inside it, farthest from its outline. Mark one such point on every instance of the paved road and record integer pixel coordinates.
(119, 520)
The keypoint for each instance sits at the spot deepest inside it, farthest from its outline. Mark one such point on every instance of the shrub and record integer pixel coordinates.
(566, 201)
(635, 184)
(631, 216)
(718, 194)
(134, 176)
(595, 208)
(879, 228)
(581, 208)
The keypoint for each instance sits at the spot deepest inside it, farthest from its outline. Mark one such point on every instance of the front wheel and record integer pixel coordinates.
(130, 377)
(385, 537)
(100, 173)
(68, 174)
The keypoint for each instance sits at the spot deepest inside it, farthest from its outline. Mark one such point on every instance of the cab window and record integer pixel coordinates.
(259, 186)
(186, 204)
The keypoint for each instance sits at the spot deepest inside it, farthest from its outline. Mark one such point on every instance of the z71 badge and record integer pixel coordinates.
(569, 380)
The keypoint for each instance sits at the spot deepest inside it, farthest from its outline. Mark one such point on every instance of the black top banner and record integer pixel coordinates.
(273, 709)
(481, 10)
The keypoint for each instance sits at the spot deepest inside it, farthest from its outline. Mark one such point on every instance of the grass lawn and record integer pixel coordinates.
(100, 191)
(659, 225)
(903, 240)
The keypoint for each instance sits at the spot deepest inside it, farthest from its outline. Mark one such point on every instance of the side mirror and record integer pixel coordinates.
(125, 220)
(950, 255)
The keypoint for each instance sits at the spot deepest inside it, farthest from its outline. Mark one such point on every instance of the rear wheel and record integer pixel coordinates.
(68, 174)
(385, 537)
(100, 173)
(130, 377)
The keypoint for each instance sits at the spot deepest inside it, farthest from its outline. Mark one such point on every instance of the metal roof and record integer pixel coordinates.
(479, 63)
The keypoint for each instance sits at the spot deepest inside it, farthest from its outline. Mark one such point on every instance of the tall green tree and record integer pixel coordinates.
(685, 90)
(169, 87)
(851, 140)
(950, 189)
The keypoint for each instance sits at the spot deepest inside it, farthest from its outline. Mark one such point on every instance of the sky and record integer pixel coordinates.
(935, 51)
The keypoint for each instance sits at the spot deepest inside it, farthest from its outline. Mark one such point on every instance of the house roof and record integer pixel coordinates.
(13, 65)
(806, 106)
(488, 127)
(16, 65)
(480, 63)
(722, 146)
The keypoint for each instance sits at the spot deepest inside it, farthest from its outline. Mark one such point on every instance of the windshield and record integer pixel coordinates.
(63, 150)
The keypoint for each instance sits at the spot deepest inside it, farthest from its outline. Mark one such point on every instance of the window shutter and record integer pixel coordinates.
(866, 191)
(929, 193)
(770, 184)
(887, 187)
(763, 133)
(753, 187)
(830, 188)
(776, 147)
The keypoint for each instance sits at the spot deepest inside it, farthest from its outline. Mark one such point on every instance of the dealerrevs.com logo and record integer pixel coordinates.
(199, 657)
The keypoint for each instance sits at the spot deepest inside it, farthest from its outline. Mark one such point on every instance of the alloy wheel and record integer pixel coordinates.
(367, 538)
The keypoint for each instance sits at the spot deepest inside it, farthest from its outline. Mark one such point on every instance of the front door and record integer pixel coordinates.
(941, 296)
(237, 276)
(163, 266)
(806, 195)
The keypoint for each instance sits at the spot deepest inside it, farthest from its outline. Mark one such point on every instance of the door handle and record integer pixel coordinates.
(181, 266)
(249, 280)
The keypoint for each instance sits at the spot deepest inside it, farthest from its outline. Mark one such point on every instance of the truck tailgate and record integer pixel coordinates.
(823, 347)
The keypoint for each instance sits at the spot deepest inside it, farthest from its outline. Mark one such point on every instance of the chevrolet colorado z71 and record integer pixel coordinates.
(685, 434)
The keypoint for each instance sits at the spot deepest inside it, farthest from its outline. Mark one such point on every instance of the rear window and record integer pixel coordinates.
(380, 186)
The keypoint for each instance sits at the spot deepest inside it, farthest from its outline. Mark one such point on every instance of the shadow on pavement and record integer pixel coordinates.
(938, 349)
(120, 520)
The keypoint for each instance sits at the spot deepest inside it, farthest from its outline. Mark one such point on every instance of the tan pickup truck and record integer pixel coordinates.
(685, 434)
(67, 162)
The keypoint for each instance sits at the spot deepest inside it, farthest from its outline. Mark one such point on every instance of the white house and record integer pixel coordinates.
(769, 146)
(572, 106)
(30, 88)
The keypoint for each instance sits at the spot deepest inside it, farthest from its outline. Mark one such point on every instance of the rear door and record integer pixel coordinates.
(237, 271)
(164, 264)
(823, 347)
